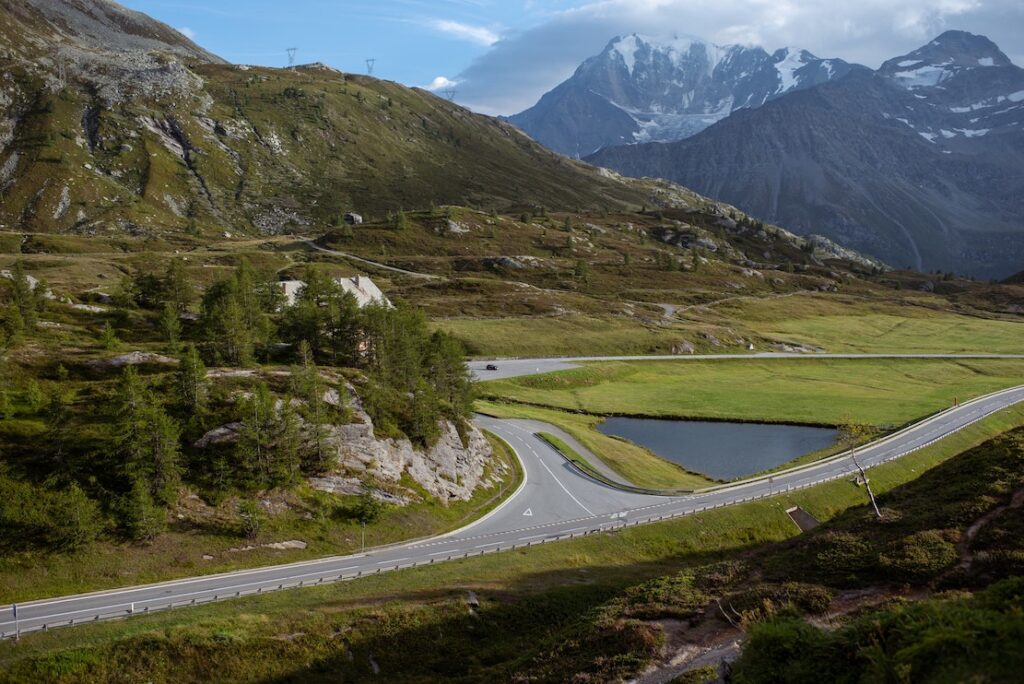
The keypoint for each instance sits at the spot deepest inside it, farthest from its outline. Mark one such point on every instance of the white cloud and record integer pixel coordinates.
(187, 32)
(516, 71)
(474, 34)
(440, 83)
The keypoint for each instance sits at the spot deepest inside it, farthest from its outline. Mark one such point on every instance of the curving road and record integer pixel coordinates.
(555, 501)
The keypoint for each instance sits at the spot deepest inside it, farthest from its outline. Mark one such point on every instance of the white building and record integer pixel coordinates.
(364, 290)
(361, 287)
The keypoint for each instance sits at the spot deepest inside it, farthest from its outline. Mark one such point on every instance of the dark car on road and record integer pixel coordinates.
(491, 367)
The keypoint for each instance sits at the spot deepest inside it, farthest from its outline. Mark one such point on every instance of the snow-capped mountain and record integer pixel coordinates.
(641, 89)
(918, 163)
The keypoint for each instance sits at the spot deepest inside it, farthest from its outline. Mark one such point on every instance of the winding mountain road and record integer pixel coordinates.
(555, 501)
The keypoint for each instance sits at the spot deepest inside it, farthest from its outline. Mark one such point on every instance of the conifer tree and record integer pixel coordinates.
(170, 325)
(310, 387)
(143, 518)
(446, 368)
(178, 290)
(108, 338)
(23, 296)
(76, 517)
(192, 387)
(147, 439)
(255, 446)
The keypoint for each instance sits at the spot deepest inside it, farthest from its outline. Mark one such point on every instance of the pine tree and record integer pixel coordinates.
(309, 385)
(170, 325)
(34, 396)
(11, 326)
(225, 325)
(41, 296)
(368, 507)
(143, 518)
(164, 456)
(251, 518)
(146, 439)
(108, 338)
(58, 420)
(423, 422)
(447, 370)
(76, 517)
(289, 444)
(23, 296)
(178, 290)
(581, 271)
(401, 221)
(255, 440)
(192, 387)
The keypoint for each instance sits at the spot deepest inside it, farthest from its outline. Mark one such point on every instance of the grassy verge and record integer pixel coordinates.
(635, 464)
(314, 517)
(880, 392)
(531, 602)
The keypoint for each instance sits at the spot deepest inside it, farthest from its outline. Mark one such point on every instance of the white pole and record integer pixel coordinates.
(17, 626)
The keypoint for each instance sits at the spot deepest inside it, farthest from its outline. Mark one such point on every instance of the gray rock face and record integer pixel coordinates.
(641, 89)
(917, 164)
(448, 470)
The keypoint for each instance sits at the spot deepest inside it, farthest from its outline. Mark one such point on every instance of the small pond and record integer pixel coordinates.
(722, 451)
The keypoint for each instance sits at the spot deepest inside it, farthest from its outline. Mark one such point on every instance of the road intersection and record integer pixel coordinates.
(555, 501)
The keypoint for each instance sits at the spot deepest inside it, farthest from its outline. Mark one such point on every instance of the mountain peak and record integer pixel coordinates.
(659, 88)
(942, 58)
(102, 25)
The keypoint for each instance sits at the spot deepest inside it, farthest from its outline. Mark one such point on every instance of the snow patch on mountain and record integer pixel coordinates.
(792, 60)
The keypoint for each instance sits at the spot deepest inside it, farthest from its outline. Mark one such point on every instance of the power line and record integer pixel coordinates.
(291, 56)
(450, 94)
(369, 65)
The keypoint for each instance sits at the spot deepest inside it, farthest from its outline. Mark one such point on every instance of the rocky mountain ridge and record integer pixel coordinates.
(643, 89)
(917, 163)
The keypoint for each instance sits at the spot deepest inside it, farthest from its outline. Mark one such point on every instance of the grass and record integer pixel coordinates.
(883, 325)
(634, 463)
(880, 392)
(531, 602)
(576, 335)
(879, 322)
(317, 518)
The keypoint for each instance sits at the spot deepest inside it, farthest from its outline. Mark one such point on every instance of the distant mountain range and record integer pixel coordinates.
(641, 89)
(920, 163)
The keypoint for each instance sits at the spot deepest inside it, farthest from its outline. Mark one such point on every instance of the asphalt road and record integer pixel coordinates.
(554, 502)
(512, 368)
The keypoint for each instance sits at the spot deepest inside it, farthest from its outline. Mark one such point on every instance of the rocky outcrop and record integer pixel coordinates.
(453, 468)
(448, 470)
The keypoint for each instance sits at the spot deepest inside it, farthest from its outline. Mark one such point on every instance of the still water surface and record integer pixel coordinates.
(723, 451)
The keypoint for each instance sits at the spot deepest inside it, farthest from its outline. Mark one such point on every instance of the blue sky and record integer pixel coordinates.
(413, 41)
(504, 54)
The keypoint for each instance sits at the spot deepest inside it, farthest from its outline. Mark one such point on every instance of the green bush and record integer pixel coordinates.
(920, 556)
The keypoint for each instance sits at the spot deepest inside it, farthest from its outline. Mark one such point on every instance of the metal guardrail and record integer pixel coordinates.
(128, 609)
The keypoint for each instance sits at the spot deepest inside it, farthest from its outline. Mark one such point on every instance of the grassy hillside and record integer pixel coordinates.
(140, 143)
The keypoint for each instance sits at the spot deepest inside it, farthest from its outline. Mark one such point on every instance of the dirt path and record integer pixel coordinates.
(971, 533)
(377, 264)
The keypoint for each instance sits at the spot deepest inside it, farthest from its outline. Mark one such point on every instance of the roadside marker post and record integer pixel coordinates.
(17, 627)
